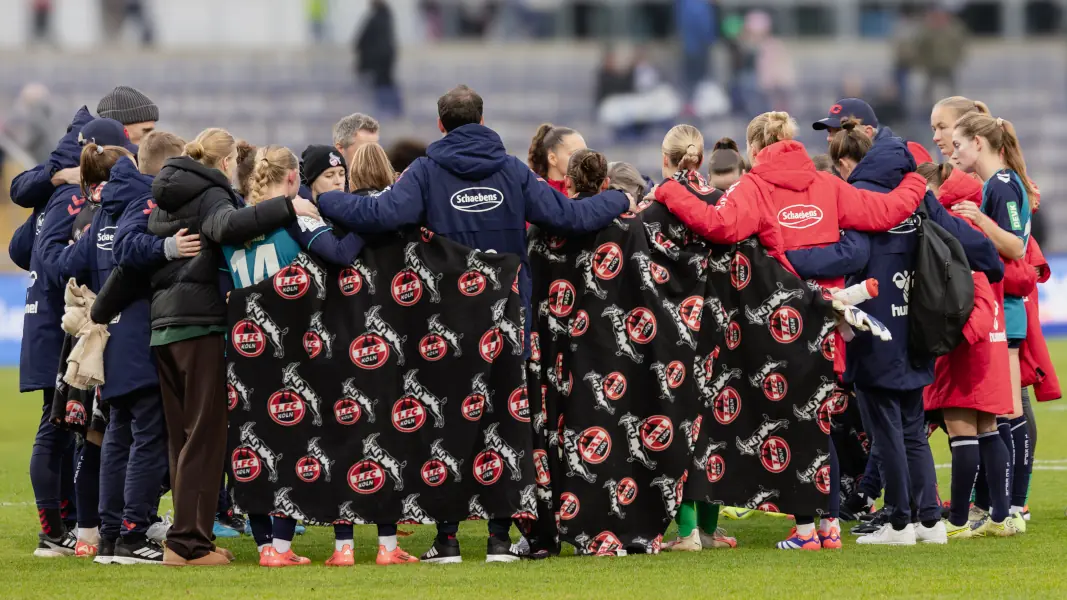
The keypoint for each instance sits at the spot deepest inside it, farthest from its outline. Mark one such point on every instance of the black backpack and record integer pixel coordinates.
(942, 292)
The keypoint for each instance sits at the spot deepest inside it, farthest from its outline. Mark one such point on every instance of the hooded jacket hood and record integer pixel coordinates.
(471, 152)
(68, 152)
(886, 163)
(959, 187)
(182, 180)
(786, 165)
(125, 185)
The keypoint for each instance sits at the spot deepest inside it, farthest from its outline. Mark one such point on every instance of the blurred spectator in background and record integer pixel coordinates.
(766, 77)
(31, 125)
(375, 48)
(614, 77)
(905, 50)
(432, 19)
(316, 13)
(941, 45)
(42, 20)
(404, 152)
(116, 13)
(476, 17)
(696, 27)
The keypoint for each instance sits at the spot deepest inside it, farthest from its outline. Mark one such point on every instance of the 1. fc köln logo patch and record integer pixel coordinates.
(349, 281)
(286, 407)
(248, 339)
(607, 261)
(433, 347)
(308, 469)
(434, 472)
(740, 271)
(786, 325)
(690, 310)
(491, 345)
(657, 433)
(347, 411)
(245, 463)
(626, 491)
(561, 298)
(727, 406)
(641, 325)
(409, 414)
(579, 324)
(568, 506)
(366, 477)
(471, 283)
(594, 444)
(519, 405)
(488, 467)
(369, 351)
(292, 282)
(406, 288)
(473, 407)
(774, 454)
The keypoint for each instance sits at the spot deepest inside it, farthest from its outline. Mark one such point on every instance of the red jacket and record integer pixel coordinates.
(975, 374)
(1034, 361)
(790, 205)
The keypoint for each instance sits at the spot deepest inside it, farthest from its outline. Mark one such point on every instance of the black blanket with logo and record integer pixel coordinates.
(665, 370)
(389, 391)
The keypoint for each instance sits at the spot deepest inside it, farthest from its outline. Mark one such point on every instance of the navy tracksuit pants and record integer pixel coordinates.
(133, 463)
(52, 463)
(871, 483)
(902, 453)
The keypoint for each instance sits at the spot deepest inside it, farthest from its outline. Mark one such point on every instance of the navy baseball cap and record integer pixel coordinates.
(106, 132)
(845, 108)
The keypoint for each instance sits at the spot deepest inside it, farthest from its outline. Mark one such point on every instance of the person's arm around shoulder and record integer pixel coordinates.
(981, 254)
(844, 257)
(21, 247)
(735, 217)
(864, 210)
(547, 207)
(223, 223)
(400, 205)
(318, 238)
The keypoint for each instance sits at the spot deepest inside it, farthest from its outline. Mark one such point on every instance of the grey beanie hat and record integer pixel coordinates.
(127, 105)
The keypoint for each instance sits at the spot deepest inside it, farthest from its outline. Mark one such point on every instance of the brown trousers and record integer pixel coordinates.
(192, 375)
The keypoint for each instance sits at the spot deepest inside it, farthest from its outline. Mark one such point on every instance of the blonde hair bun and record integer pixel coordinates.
(194, 150)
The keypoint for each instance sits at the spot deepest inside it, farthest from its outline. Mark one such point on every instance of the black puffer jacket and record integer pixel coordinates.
(190, 195)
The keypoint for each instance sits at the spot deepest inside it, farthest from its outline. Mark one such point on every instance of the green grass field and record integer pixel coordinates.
(1029, 566)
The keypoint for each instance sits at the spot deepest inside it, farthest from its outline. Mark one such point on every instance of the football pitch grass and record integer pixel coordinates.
(1033, 565)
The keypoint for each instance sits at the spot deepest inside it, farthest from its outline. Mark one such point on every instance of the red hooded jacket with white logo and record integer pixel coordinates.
(790, 205)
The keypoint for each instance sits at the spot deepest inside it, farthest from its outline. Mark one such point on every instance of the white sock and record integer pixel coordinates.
(1016, 509)
(825, 524)
(282, 546)
(260, 547)
(339, 545)
(806, 530)
(90, 535)
(389, 541)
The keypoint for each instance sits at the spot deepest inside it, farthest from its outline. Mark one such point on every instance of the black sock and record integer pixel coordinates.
(1021, 463)
(51, 522)
(965, 460)
(929, 524)
(997, 463)
(1004, 429)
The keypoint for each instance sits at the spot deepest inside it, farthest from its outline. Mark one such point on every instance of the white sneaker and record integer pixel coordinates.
(690, 543)
(931, 535)
(887, 536)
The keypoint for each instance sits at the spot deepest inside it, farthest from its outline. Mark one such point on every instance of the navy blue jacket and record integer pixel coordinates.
(42, 337)
(872, 363)
(468, 189)
(128, 361)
